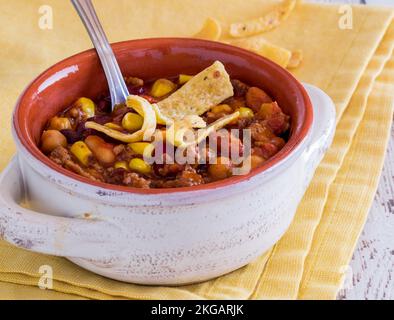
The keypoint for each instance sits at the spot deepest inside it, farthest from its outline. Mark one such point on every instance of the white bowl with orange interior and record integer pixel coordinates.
(159, 236)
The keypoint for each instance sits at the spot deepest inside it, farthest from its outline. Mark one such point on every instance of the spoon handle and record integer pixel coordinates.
(116, 83)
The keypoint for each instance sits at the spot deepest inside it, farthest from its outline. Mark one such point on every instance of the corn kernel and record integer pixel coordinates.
(114, 126)
(162, 87)
(246, 112)
(121, 165)
(132, 122)
(142, 148)
(87, 106)
(140, 166)
(222, 108)
(183, 78)
(81, 151)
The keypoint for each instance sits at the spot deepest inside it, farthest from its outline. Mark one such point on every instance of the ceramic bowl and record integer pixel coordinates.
(162, 236)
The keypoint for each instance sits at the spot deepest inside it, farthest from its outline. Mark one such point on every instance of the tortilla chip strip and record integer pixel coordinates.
(268, 22)
(212, 30)
(205, 90)
(204, 133)
(266, 49)
(144, 108)
(194, 122)
(160, 117)
(296, 58)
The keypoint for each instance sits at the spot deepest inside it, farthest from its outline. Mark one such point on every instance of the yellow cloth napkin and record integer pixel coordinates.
(308, 261)
(286, 262)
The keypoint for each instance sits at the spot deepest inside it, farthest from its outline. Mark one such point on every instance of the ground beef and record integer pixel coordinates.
(119, 149)
(123, 153)
(260, 132)
(115, 176)
(236, 103)
(62, 157)
(169, 170)
(132, 179)
(187, 178)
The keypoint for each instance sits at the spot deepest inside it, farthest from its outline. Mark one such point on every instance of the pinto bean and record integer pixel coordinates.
(134, 81)
(102, 150)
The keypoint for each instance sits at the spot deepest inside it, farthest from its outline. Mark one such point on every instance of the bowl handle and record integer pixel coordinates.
(60, 236)
(323, 129)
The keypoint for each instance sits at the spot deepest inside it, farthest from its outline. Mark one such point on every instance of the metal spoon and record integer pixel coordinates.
(116, 83)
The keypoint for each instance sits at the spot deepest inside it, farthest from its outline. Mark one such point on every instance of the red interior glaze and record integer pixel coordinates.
(150, 59)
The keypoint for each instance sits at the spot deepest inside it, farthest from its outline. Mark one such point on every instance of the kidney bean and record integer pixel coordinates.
(267, 149)
(119, 113)
(268, 110)
(103, 106)
(101, 119)
(137, 90)
(240, 88)
(71, 135)
(260, 131)
(256, 97)
(279, 123)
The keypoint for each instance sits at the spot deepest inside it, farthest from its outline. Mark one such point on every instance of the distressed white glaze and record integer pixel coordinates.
(167, 239)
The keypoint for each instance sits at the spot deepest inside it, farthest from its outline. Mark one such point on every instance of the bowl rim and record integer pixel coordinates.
(284, 154)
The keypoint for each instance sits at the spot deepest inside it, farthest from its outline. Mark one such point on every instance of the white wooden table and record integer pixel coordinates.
(372, 266)
(371, 272)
